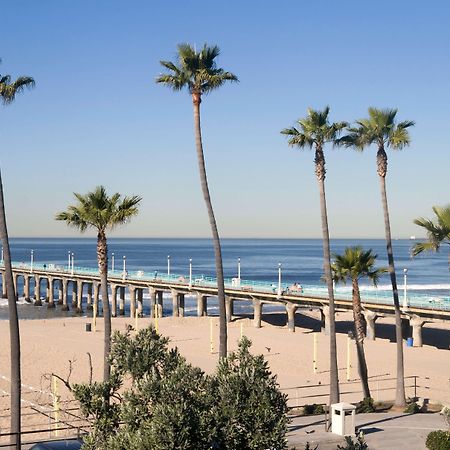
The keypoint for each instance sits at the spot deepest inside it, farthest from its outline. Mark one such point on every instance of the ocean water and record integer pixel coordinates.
(301, 261)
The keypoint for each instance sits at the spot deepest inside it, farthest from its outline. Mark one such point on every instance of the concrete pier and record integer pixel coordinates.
(64, 282)
(152, 293)
(132, 290)
(140, 302)
(174, 294)
(50, 295)
(202, 300)
(290, 310)
(114, 288)
(37, 291)
(370, 317)
(257, 312)
(122, 301)
(417, 324)
(325, 319)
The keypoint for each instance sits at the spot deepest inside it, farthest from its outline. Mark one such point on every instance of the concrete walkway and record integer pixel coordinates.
(382, 431)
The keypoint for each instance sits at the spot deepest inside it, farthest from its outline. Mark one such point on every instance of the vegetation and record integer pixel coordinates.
(8, 91)
(99, 211)
(412, 408)
(315, 131)
(438, 440)
(162, 402)
(382, 130)
(198, 72)
(358, 444)
(438, 231)
(353, 265)
(314, 409)
(365, 406)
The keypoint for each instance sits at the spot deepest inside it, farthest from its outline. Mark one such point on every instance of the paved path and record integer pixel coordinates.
(382, 431)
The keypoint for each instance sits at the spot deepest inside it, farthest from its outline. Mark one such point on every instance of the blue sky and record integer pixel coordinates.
(97, 117)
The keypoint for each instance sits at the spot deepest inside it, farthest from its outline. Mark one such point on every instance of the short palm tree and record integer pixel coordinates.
(315, 131)
(8, 91)
(353, 265)
(382, 130)
(197, 71)
(101, 212)
(438, 231)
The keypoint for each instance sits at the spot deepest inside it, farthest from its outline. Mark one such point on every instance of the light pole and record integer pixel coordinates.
(73, 263)
(239, 269)
(124, 270)
(405, 289)
(112, 261)
(168, 265)
(279, 280)
(68, 261)
(32, 261)
(190, 273)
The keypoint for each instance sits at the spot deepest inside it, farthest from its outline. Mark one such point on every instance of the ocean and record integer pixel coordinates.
(301, 261)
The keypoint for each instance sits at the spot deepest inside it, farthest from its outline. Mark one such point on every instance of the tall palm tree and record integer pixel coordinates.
(197, 71)
(315, 131)
(438, 231)
(8, 91)
(99, 211)
(353, 265)
(381, 129)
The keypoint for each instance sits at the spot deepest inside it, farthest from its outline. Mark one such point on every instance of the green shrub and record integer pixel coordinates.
(359, 444)
(438, 440)
(365, 406)
(412, 408)
(314, 409)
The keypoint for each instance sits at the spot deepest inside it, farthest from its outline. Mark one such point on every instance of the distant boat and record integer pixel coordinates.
(413, 238)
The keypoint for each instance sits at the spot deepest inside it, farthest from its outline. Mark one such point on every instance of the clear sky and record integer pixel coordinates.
(96, 115)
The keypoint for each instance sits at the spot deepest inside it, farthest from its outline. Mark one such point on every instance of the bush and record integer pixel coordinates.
(359, 444)
(412, 408)
(314, 409)
(365, 406)
(155, 399)
(438, 440)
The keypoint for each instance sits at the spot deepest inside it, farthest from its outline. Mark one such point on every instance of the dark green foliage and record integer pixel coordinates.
(438, 440)
(168, 403)
(412, 408)
(358, 444)
(365, 406)
(309, 410)
(308, 447)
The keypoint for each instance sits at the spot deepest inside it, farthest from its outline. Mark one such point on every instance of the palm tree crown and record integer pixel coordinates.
(195, 70)
(438, 231)
(8, 89)
(97, 210)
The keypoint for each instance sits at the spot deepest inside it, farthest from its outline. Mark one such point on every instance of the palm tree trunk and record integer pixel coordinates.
(102, 259)
(13, 329)
(196, 99)
(359, 339)
(400, 399)
(334, 375)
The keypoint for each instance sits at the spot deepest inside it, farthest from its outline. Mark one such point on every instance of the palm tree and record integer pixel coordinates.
(8, 91)
(316, 131)
(381, 129)
(353, 265)
(99, 211)
(198, 72)
(438, 232)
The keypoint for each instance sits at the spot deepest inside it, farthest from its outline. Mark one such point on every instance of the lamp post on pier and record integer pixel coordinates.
(190, 273)
(112, 261)
(73, 264)
(32, 261)
(168, 265)
(279, 280)
(405, 289)
(124, 270)
(68, 261)
(239, 269)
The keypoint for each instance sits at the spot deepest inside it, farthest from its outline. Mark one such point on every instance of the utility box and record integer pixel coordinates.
(343, 419)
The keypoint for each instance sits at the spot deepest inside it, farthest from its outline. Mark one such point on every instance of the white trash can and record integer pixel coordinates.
(343, 419)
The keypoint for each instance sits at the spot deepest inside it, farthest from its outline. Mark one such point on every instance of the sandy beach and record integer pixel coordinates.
(49, 345)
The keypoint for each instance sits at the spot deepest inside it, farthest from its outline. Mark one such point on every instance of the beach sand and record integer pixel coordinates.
(49, 345)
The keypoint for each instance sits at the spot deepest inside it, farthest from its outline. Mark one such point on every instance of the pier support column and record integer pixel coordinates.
(229, 308)
(325, 319)
(4, 294)
(122, 301)
(159, 303)
(113, 300)
(140, 302)
(51, 299)
(96, 288)
(64, 284)
(132, 291)
(290, 310)
(174, 303)
(257, 313)
(79, 296)
(16, 284)
(89, 297)
(417, 324)
(406, 328)
(370, 317)
(181, 304)
(74, 294)
(201, 304)
(152, 293)
(26, 288)
(37, 291)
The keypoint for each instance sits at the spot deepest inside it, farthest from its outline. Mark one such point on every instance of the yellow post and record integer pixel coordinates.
(56, 403)
(315, 353)
(211, 334)
(242, 330)
(156, 318)
(348, 358)
(94, 318)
